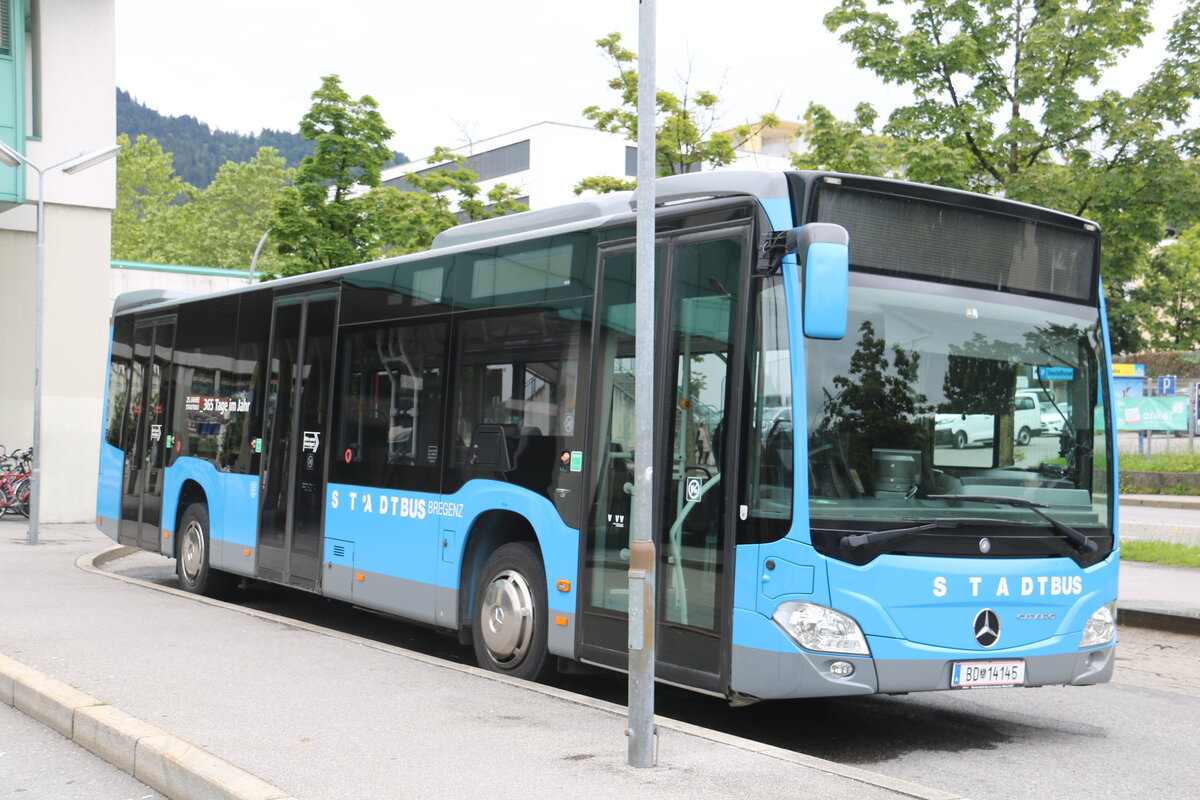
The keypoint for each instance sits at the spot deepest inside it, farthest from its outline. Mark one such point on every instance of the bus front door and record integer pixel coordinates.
(696, 376)
(146, 436)
(295, 435)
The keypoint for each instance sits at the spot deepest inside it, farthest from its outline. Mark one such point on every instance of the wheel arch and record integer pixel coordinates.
(490, 531)
(190, 493)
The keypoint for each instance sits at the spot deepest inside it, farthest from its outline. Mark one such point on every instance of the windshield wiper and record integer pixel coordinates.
(1081, 541)
(856, 540)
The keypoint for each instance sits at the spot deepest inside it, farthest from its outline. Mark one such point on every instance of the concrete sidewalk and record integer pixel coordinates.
(223, 701)
(267, 708)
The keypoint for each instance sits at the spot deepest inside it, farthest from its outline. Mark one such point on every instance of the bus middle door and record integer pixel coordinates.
(295, 430)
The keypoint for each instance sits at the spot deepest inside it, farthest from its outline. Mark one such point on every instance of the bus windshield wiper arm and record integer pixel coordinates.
(1080, 540)
(855, 540)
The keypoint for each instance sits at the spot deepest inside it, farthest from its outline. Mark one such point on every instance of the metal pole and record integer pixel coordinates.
(642, 558)
(35, 474)
(257, 250)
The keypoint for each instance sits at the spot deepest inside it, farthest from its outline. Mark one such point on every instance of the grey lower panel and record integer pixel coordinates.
(560, 639)
(231, 557)
(773, 676)
(391, 595)
(770, 676)
(109, 527)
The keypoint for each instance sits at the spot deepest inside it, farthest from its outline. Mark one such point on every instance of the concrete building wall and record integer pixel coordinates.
(77, 69)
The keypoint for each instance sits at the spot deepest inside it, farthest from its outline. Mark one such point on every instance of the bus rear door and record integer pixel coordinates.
(147, 426)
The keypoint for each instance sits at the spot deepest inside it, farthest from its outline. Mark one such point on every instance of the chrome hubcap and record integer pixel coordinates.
(507, 618)
(191, 553)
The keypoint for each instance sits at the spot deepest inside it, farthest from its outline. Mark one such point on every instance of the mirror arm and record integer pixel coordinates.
(771, 250)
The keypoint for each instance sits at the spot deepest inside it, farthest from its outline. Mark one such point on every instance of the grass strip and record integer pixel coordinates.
(1171, 554)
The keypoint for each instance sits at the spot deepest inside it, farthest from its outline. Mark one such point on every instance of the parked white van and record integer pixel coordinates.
(960, 430)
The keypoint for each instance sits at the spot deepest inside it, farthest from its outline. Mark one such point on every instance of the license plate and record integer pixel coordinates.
(985, 674)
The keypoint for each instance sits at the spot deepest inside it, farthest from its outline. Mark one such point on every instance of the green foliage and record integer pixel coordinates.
(161, 219)
(1009, 99)
(147, 189)
(686, 138)
(1161, 462)
(407, 222)
(1166, 300)
(222, 225)
(200, 151)
(1173, 554)
(318, 220)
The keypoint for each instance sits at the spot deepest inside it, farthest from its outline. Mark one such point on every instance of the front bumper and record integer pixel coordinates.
(773, 675)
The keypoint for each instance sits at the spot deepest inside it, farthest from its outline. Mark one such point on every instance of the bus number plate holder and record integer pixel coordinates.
(987, 674)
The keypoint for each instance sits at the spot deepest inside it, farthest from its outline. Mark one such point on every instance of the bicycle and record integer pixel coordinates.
(15, 487)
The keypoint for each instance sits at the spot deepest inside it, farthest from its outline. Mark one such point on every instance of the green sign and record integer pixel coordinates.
(1152, 413)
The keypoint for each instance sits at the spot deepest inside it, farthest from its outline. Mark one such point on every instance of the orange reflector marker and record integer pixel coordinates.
(166, 534)
(246, 551)
(560, 620)
(360, 577)
(564, 586)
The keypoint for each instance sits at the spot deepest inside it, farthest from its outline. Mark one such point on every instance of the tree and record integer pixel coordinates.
(222, 225)
(1008, 100)
(1166, 300)
(147, 189)
(407, 221)
(161, 219)
(320, 220)
(686, 135)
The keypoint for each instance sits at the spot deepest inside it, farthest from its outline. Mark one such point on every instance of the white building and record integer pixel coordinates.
(57, 78)
(544, 162)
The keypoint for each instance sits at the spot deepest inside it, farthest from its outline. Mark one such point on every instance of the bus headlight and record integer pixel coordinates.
(1101, 628)
(819, 628)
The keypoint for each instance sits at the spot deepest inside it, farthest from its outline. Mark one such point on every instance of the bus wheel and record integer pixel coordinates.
(192, 564)
(508, 624)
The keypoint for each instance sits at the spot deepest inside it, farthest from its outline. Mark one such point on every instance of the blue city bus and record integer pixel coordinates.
(448, 437)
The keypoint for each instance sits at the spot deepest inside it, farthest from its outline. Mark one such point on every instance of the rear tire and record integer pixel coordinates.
(20, 498)
(192, 564)
(509, 621)
(1024, 437)
(960, 440)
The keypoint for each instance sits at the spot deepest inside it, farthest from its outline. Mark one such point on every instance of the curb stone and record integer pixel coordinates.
(163, 762)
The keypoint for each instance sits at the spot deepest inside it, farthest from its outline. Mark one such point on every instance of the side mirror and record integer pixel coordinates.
(823, 252)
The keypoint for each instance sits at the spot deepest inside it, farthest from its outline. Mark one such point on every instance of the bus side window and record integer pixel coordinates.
(516, 376)
(390, 393)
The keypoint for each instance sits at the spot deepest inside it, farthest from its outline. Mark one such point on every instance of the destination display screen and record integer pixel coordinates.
(923, 239)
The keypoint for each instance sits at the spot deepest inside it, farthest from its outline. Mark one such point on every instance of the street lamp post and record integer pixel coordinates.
(12, 158)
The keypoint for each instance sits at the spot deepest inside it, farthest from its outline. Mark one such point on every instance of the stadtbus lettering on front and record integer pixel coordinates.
(884, 461)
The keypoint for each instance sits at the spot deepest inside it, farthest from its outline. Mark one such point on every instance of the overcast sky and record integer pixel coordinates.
(448, 73)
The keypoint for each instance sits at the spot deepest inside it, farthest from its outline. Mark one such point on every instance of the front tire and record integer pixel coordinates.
(1024, 437)
(509, 621)
(192, 564)
(960, 440)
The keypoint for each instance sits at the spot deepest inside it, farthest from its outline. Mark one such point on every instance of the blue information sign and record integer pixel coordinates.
(1166, 384)
(1056, 373)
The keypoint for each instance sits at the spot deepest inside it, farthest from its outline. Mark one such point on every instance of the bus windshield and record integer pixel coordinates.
(939, 390)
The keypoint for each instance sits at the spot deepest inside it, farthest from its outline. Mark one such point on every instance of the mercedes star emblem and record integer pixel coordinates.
(987, 627)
